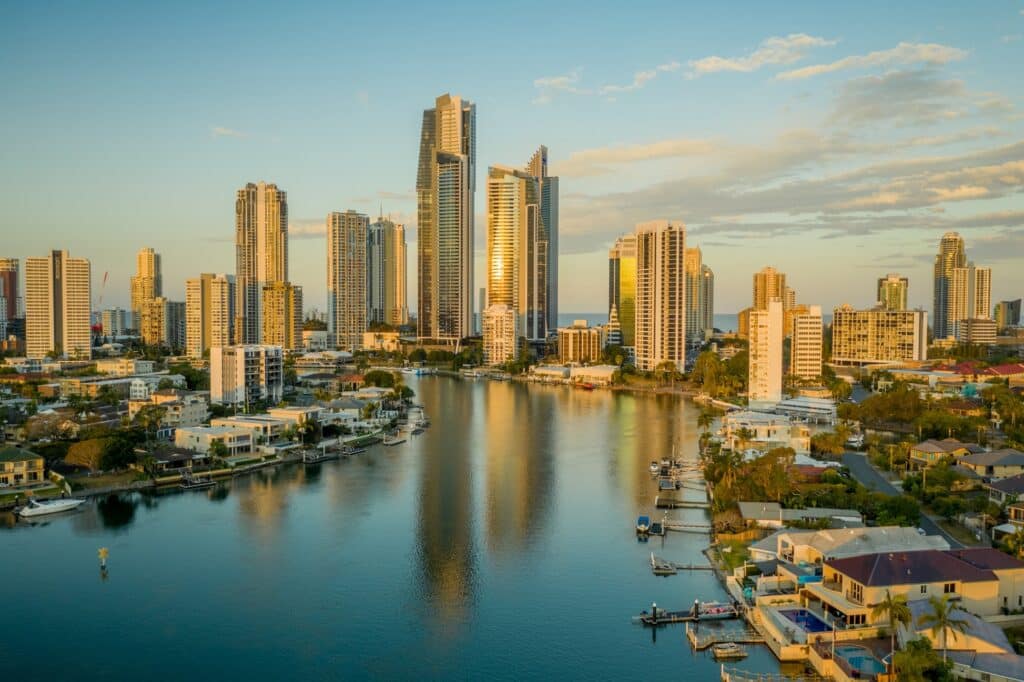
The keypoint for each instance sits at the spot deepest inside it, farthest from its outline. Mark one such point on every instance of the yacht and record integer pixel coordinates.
(42, 508)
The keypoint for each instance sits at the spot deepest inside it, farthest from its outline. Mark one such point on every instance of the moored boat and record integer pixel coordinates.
(728, 650)
(393, 440)
(44, 507)
(654, 467)
(713, 610)
(643, 524)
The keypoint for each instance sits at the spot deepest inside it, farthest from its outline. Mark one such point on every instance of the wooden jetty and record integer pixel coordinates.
(734, 675)
(680, 527)
(675, 503)
(701, 640)
(665, 567)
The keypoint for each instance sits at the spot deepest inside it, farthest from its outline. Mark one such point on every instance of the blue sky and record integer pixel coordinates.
(835, 143)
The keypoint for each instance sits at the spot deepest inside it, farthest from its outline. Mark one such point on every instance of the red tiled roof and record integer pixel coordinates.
(1005, 370)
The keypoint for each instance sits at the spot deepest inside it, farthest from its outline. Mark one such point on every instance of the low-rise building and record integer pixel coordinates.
(263, 428)
(246, 374)
(200, 438)
(995, 465)
(124, 367)
(1006, 489)
(386, 342)
(316, 340)
(878, 336)
(930, 452)
(294, 415)
(580, 344)
(977, 331)
(181, 408)
(597, 375)
(772, 515)
(20, 467)
(759, 432)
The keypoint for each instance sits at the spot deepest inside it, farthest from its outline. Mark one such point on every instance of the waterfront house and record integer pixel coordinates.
(765, 431)
(263, 428)
(930, 452)
(181, 408)
(995, 465)
(598, 375)
(168, 459)
(294, 415)
(772, 515)
(20, 467)
(200, 438)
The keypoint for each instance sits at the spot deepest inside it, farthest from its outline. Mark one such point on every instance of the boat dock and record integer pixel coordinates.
(675, 503)
(733, 675)
(703, 640)
(665, 567)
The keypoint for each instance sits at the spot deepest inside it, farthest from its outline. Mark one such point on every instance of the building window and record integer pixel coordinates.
(924, 589)
(949, 588)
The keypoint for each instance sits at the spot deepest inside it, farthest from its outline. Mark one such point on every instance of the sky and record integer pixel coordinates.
(835, 143)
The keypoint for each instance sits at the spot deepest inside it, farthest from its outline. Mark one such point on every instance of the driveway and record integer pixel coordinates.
(868, 476)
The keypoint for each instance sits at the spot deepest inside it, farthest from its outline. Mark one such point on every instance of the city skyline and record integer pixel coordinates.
(868, 146)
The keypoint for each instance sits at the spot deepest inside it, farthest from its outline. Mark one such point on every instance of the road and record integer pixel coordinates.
(869, 477)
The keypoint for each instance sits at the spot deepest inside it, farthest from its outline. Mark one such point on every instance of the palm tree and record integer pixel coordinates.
(943, 618)
(896, 611)
(1015, 542)
(744, 436)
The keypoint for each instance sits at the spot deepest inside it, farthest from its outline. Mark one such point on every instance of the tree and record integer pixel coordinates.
(165, 384)
(918, 662)
(418, 355)
(896, 611)
(218, 451)
(1015, 542)
(119, 451)
(87, 453)
(744, 436)
(942, 619)
(149, 418)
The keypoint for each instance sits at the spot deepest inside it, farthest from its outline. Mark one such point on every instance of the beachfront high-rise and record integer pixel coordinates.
(951, 256)
(806, 346)
(282, 315)
(445, 187)
(548, 229)
(769, 284)
(764, 372)
(58, 296)
(707, 299)
(622, 286)
(892, 292)
(163, 323)
(386, 301)
(700, 295)
(660, 294)
(518, 249)
(864, 337)
(10, 270)
(970, 294)
(209, 313)
(261, 253)
(146, 284)
(346, 278)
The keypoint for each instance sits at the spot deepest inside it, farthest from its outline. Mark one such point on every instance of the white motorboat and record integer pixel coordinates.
(42, 508)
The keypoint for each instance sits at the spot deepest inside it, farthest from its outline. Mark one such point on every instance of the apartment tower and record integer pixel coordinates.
(951, 256)
(261, 253)
(806, 346)
(209, 313)
(764, 372)
(660, 294)
(386, 301)
(346, 278)
(445, 186)
(282, 315)
(10, 271)
(147, 284)
(622, 286)
(58, 295)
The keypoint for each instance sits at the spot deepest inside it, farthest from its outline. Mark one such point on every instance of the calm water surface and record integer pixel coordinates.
(499, 543)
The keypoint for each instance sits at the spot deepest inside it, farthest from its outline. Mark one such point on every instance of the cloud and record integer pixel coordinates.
(905, 53)
(1010, 38)
(602, 160)
(307, 228)
(549, 85)
(219, 131)
(775, 50)
(904, 97)
(363, 98)
(640, 79)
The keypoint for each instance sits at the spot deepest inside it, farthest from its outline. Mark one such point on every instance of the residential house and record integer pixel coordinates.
(181, 408)
(263, 428)
(930, 452)
(763, 432)
(200, 438)
(1006, 489)
(995, 465)
(772, 515)
(20, 467)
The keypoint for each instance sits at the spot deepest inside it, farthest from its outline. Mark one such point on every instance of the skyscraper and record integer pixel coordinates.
(769, 284)
(261, 252)
(951, 255)
(517, 245)
(694, 307)
(548, 193)
(445, 186)
(622, 286)
(147, 284)
(163, 323)
(386, 273)
(806, 347)
(892, 292)
(346, 278)
(9, 276)
(501, 334)
(282, 315)
(1007, 314)
(660, 294)
(765, 355)
(209, 313)
(58, 295)
(707, 300)
(970, 294)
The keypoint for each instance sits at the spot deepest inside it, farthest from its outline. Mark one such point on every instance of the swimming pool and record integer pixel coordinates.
(860, 659)
(807, 620)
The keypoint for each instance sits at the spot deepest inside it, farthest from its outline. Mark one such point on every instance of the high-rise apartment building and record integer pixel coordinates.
(518, 255)
(501, 334)
(660, 294)
(10, 271)
(764, 372)
(548, 209)
(209, 313)
(976, 331)
(863, 337)
(445, 187)
(707, 299)
(282, 315)
(246, 375)
(892, 292)
(769, 285)
(146, 284)
(694, 309)
(116, 321)
(346, 278)
(481, 306)
(951, 256)
(581, 344)
(970, 294)
(806, 345)
(386, 273)
(622, 286)
(261, 253)
(1007, 314)
(163, 323)
(58, 295)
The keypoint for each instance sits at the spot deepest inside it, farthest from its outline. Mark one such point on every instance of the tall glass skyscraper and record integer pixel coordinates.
(261, 253)
(622, 286)
(445, 186)
(951, 255)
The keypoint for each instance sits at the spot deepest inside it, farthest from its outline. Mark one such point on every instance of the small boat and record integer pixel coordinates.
(662, 567)
(393, 440)
(713, 610)
(42, 508)
(657, 528)
(349, 450)
(643, 524)
(728, 650)
(190, 482)
(654, 467)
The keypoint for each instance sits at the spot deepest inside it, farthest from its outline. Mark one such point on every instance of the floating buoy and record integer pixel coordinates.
(103, 553)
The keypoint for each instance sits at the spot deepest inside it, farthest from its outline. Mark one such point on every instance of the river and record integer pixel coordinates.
(499, 543)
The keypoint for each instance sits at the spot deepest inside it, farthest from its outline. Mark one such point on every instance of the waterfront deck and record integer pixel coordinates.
(709, 637)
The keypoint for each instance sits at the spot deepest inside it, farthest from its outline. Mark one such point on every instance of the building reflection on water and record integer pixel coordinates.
(446, 551)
